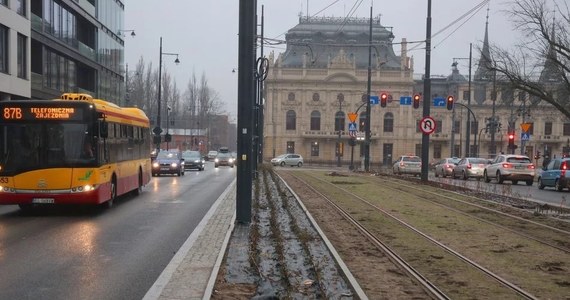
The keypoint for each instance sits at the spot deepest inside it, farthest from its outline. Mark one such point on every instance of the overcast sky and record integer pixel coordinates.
(205, 33)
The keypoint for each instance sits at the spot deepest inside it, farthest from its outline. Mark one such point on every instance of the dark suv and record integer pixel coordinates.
(168, 162)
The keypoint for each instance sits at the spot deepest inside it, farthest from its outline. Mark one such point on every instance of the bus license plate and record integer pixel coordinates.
(43, 200)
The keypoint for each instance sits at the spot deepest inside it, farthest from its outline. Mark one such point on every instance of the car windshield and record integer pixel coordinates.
(223, 155)
(518, 160)
(281, 156)
(411, 159)
(166, 155)
(454, 160)
(191, 155)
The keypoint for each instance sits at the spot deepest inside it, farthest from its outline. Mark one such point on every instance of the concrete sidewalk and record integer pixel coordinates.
(192, 272)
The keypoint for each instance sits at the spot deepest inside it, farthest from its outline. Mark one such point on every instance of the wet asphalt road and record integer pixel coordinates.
(88, 253)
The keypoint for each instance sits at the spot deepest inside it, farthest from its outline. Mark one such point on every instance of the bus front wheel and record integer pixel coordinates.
(109, 203)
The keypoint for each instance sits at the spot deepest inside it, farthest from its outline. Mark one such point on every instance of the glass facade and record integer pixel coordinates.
(22, 57)
(3, 49)
(98, 43)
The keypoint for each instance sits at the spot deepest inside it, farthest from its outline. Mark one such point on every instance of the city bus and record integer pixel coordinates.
(72, 150)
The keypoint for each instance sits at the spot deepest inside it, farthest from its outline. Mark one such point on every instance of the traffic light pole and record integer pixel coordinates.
(427, 96)
(368, 113)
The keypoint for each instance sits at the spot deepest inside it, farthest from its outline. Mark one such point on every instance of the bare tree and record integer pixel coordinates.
(540, 65)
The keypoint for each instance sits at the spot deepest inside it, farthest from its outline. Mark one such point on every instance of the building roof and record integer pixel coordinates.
(322, 38)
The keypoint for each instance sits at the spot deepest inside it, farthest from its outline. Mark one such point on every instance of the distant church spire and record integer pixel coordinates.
(483, 71)
(551, 71)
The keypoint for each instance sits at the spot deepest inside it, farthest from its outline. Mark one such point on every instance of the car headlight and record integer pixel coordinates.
(174, 165)
(216, 160)
(155, 165)
(197, 161)
(231, 160)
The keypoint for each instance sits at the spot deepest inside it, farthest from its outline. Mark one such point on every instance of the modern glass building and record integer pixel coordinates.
(76, 46)
(14, 49)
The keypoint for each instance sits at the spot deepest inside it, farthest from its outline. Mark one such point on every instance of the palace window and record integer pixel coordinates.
(547, 128)
(388, 122)
(339, 121)
(315, 149)
(291, 120)
(315, 120)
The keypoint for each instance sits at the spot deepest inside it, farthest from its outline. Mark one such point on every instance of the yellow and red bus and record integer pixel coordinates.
(73, 150)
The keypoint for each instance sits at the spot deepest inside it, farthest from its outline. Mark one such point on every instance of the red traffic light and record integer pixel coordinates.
(450, 102)
(383, 99)
(511, 136)
(417, 98)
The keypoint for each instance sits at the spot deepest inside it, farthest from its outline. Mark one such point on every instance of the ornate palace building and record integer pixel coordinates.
(323, 76)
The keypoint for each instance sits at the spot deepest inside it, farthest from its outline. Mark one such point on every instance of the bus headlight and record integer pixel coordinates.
(155, 165)
(83, 188)
(5, 189)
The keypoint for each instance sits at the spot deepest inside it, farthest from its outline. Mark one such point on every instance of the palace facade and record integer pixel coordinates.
(323, 76)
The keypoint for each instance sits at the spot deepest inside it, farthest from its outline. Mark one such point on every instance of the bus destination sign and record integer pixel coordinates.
(20, 113)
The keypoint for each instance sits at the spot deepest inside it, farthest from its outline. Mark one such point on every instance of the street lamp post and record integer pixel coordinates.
(167, 125)
(157, 130)
(467, 154)
(340, 127)
(468, 126)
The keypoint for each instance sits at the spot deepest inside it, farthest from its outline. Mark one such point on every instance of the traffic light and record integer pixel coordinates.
(511, 140)
(537, 156)
(383, 99)
(450, 102)
(417, 101)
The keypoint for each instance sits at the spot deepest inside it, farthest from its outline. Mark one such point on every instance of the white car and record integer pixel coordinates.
(510, 167)
(289, 159)
(212, 154)
(408, 164)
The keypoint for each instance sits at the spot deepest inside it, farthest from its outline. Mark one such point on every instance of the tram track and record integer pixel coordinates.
(556, 230)
(309, 180)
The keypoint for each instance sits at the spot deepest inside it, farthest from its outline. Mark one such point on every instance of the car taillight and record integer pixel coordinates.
(468, 166)
(531, 166)
(401, 164)
(564, 166)
(507, 166)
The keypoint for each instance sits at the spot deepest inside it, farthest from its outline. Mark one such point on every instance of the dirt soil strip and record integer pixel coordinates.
(279, 255)
(535, 267)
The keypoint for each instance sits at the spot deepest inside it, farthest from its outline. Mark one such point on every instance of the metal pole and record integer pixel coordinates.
(427, 96)
(468, 127)
(493, 119)
(368, 113)
(246, 101)
(159, 95)
(339, 132)
(261, 112)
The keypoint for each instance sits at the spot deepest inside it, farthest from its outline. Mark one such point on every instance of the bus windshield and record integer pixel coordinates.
(30, 146)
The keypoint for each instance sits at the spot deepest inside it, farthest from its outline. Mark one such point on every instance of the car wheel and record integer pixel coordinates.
(436, 175)
(299, 164)
(282, 164)
(453, 175)
(215, 166)
(557, 185)
(529, 182)
(540, 185)
(486, 177)
(464, 175)
(500, 178)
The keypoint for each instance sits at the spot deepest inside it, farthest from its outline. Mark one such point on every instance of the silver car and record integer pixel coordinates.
(470, 167)
(445, 166)
(289, 159)
(408, 164)
(510, 167)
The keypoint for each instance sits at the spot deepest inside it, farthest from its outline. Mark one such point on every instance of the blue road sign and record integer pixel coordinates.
(439, 101)
(374, 100)
(525, 136)
(406, 100)
(352, 126)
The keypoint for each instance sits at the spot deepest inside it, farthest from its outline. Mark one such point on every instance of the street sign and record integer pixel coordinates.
(352, 116)
(352, 126)
(439, 101)
(526, 126)
(352, 133)
(427, 125)
(374, 100)
(525, 136)
(157, 130)
(406, 100)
